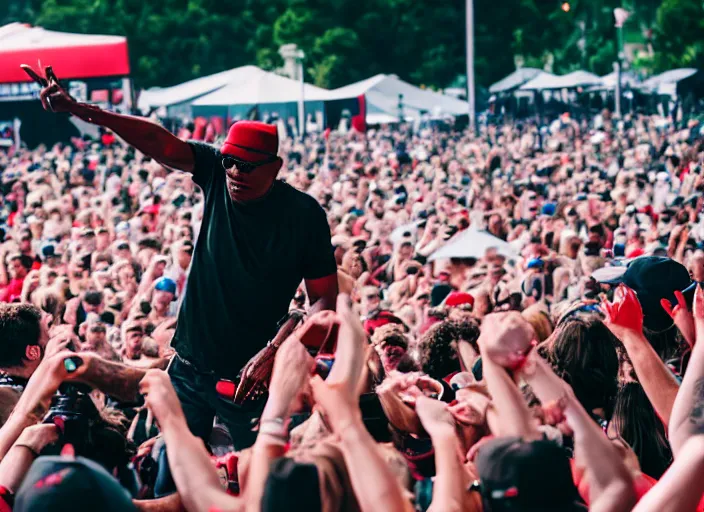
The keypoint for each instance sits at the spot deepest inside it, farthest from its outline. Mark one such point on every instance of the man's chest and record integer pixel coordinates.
(253, 247)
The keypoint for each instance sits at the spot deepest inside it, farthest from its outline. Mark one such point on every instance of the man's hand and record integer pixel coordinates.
(506, 339)
(292, 367)
(47, 378)
(53, 97)
(61, 337)
(160, 398)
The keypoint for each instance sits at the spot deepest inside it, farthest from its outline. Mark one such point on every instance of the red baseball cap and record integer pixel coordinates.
(251, 141)
(459, 299)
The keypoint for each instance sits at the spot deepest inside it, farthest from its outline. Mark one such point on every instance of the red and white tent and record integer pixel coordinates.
(73, 56)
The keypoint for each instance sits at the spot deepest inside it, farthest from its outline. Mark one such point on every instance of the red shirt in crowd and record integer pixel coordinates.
(13, 291)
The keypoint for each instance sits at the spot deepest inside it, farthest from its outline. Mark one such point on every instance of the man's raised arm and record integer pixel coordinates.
(148, 137)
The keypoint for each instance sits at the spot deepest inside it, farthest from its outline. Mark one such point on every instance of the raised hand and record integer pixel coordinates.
(435, 416)
(338, 395)
(698, 305)
(47, 378)
(339, 405)
(160, 397)
(682, 316)
(350, 355)
(506, 339)
(292, 367)
(698, 311)
(624, 315)
(53, 97)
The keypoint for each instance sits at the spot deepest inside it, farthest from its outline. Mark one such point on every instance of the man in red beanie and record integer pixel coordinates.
(259, 239)
(460, 306)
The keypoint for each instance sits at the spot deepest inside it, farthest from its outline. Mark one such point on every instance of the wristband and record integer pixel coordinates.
(276, 427)
(20, 445)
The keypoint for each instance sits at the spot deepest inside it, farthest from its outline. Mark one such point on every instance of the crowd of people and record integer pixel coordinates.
(560, 369)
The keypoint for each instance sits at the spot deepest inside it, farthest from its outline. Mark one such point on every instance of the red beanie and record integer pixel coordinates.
(251, 141)
(381, 319)
(459, 299)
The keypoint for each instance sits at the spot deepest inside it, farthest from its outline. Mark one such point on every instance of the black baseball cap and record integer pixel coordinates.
(62, 484)
(526, 476)
(653, 278)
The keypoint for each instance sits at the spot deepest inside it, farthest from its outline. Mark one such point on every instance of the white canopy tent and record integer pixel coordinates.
(182, 95)
(269, 92)
(255, 86)
(608, 82)
(666, 83)
(579, 78)
(569, 81)
(514, 80)
(472, 243)
(542, 80)
(384, 94)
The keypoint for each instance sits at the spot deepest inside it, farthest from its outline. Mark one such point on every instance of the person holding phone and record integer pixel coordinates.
(260, 238)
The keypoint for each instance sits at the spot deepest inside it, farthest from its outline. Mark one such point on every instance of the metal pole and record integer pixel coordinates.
(619, 70)
(617, 93)
(470, 64)
(301, 100)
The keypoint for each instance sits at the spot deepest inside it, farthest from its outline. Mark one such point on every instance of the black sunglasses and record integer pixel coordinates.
(228, 162)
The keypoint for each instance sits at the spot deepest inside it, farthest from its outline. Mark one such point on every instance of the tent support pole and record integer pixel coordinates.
(470, 65)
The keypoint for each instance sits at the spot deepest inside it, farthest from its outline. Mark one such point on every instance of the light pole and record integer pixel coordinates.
(470, 64)
(620, 15)
(300, 56)
(292, 55)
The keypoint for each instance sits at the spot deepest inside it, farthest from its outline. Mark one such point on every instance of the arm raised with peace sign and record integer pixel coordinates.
(150, 138)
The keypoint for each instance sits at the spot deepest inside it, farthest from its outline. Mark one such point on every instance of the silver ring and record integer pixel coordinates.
(48, 100)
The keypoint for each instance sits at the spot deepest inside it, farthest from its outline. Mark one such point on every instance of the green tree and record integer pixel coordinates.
(678, 35)
(422, 41)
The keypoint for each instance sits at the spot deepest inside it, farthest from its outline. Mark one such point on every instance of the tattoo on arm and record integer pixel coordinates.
(696, 415)
(114, 379)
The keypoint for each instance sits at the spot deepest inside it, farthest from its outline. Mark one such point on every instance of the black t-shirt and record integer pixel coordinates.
(247, 263)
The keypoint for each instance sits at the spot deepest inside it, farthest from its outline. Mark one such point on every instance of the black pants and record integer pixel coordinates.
(201, 403)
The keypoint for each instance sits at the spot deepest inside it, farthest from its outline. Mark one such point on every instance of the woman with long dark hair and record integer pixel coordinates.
(582, 351)
(635, 421)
